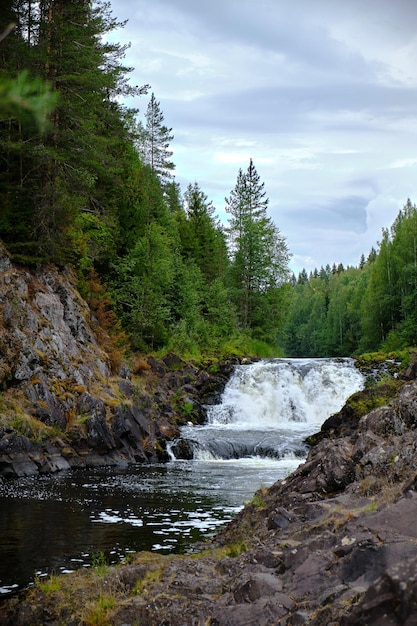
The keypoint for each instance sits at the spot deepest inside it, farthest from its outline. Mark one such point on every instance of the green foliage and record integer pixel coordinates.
(144, 282)
(51, 585)
(99, 561)
(49, 178)
(86, 183)
(26, 99)
(202, 238)
(259, 255)
(93, 237)
(342, 312)
(26, 425)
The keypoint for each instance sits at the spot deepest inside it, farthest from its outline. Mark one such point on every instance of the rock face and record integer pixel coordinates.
(60, 405)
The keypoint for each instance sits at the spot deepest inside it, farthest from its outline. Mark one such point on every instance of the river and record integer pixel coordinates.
(58, 523)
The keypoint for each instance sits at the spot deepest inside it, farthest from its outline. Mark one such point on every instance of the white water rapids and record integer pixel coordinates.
(268, 408)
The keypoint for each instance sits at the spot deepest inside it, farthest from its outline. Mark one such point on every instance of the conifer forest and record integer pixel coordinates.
(89, 183)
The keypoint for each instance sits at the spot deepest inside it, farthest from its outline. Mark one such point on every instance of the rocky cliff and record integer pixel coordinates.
(60, 405)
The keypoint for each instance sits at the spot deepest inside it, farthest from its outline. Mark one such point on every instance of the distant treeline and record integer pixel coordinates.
(340, 312)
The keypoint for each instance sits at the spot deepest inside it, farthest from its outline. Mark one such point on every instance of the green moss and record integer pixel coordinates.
(235, 549)
(51, 585)
(28, 426)
(391, 363)
(257, 501)
(375, 396)
(231, 550)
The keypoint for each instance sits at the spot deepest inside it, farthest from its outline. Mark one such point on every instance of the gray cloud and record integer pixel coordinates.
(348, 213)
(282, 108)
(321, 95)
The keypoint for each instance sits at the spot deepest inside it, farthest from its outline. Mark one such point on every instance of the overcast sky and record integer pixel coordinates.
(321, 94)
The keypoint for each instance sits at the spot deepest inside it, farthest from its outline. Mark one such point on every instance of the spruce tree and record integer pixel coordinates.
(259, 252)
(157, 138)
(71, 168)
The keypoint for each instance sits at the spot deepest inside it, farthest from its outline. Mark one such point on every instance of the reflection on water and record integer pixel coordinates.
(60, 523)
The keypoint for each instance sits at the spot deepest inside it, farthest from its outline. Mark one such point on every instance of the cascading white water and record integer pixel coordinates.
(268, 408)
(278, 392)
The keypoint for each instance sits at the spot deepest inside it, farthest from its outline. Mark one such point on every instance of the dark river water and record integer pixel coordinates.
(59, 523)
(55, 524)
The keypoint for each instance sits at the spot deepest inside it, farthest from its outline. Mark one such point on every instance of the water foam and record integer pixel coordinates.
(276, 393)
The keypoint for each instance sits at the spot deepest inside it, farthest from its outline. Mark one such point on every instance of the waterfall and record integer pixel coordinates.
(268, 408)
(268, 393)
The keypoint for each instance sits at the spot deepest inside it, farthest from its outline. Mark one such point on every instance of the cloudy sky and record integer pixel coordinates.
(322, 95)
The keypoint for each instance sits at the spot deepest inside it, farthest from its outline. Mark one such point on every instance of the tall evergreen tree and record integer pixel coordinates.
(157, 139)
(67, 170)
(259, 252)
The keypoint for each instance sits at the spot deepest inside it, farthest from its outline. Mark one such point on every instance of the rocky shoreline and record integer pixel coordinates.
(116, 424)
(333, 544)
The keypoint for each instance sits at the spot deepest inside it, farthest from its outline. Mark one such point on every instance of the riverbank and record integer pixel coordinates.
(66, 402)
(334, 543)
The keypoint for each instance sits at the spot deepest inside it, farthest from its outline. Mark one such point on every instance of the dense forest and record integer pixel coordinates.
(338, 311)
(88, 182)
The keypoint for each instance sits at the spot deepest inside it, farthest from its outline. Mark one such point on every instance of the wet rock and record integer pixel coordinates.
(22, 465)
(182, 449)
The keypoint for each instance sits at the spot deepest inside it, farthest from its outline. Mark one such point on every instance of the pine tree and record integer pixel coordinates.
(73, 167)
(302, 277)
(258, 250)
(157, 138)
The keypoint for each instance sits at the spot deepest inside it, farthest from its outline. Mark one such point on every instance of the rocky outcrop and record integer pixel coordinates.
(60, 405)
(334, 544)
